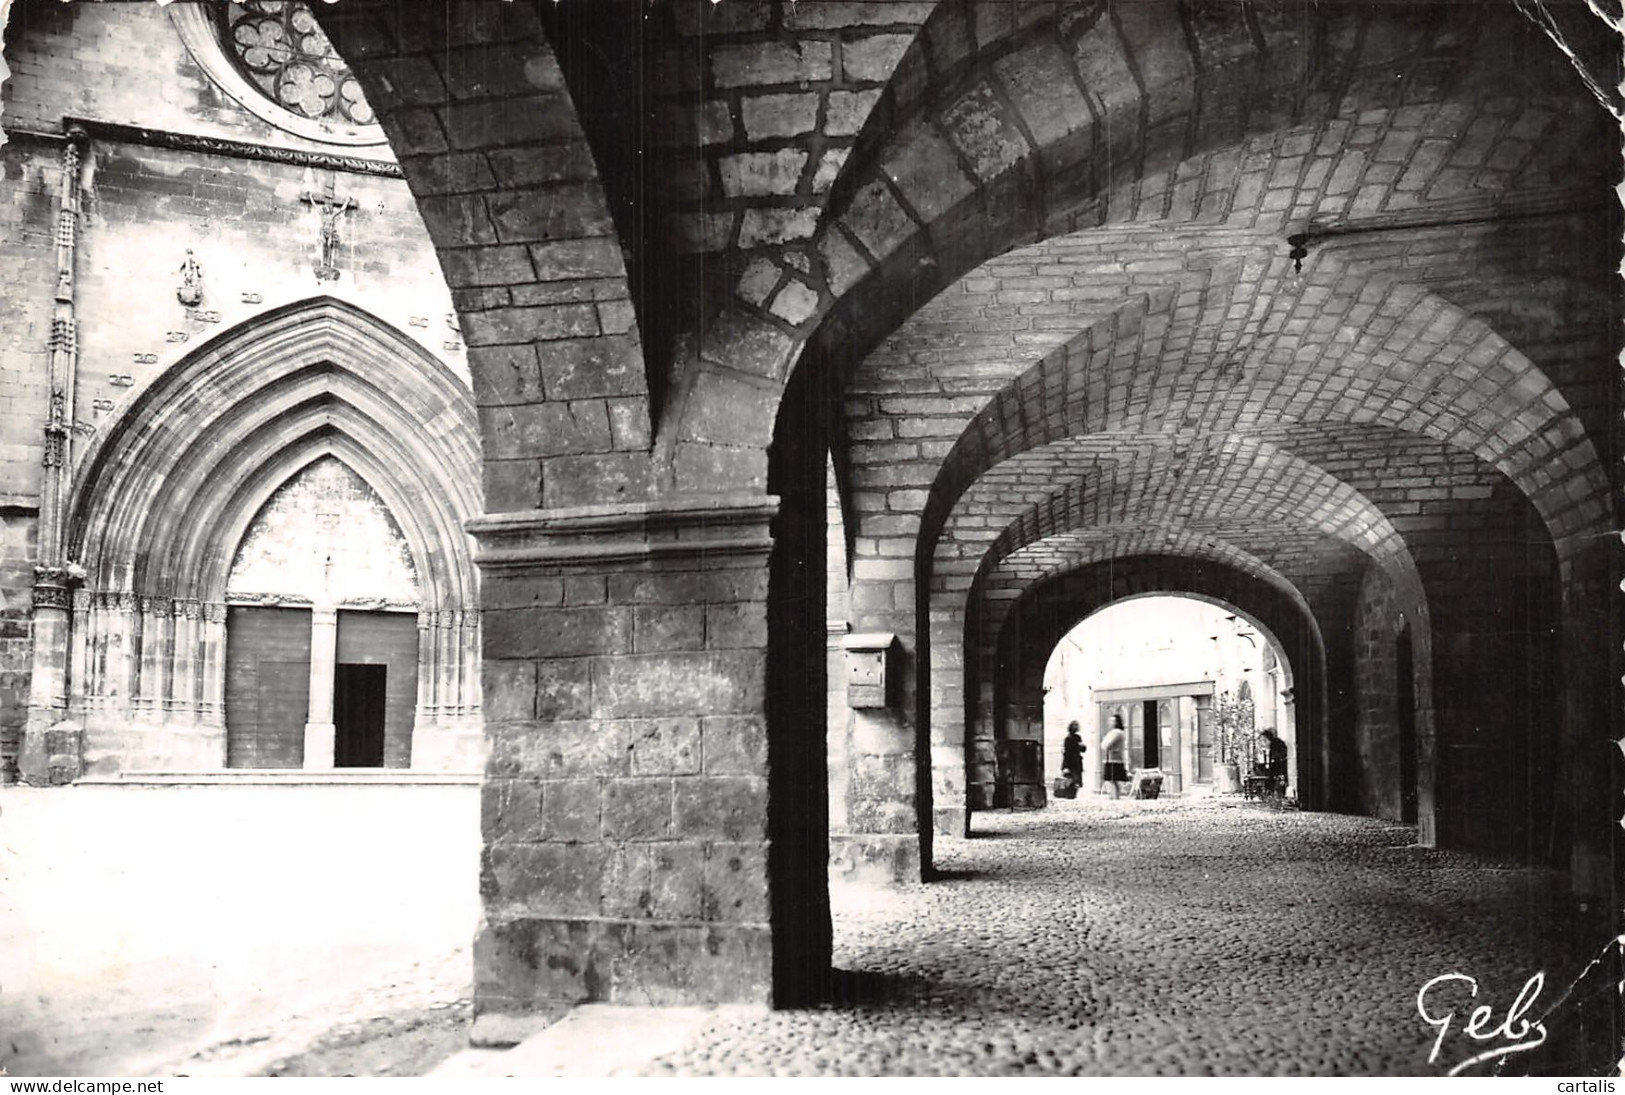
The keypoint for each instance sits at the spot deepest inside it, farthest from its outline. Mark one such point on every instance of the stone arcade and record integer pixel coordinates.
(805, 340)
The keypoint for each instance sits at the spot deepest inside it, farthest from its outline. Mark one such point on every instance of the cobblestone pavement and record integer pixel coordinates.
(1190, 938)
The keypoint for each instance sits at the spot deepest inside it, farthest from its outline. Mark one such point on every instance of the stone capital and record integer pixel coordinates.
(590, 537)
(51, 595)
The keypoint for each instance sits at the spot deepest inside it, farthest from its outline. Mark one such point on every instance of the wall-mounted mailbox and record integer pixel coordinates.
(871, 670)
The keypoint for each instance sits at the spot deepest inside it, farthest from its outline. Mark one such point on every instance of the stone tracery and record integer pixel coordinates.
(283, 50)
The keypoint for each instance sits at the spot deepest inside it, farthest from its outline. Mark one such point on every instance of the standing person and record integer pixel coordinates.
(1072, 751)
(1277, 761)
(1111, 747)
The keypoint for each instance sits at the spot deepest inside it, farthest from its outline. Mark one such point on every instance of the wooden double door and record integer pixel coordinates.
(270, 677)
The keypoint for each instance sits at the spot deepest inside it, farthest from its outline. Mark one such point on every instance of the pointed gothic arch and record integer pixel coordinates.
(167, 493)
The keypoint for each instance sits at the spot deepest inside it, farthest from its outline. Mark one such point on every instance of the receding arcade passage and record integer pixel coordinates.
(1180, 938)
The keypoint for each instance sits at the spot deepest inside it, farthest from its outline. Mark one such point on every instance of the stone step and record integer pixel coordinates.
(289, 777)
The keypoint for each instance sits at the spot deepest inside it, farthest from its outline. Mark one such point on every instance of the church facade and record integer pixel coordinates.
(240, 440)
(546, 355)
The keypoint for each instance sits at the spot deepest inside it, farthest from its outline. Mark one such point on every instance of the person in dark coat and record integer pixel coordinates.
(1277, 760)
(1072, 751)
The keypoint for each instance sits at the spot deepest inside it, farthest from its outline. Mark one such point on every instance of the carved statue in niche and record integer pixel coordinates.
(190, 291)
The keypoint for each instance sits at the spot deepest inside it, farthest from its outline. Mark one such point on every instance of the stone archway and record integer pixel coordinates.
(1178, 654)
(1049, 609)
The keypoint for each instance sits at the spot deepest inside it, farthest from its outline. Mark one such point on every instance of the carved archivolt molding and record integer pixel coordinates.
(245, 413)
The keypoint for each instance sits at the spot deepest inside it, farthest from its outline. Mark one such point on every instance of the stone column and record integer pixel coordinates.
(79, 652)
(324, 647)
(212, 655)
(184, 686)
(51, 630)
(448, 660)
(50, 748)
(445, 737)
(882, 841)
(838, 726)
(628, 692)
(153, 617)
(977, 758)
(468, 690)
(428, 703)
(121, 633)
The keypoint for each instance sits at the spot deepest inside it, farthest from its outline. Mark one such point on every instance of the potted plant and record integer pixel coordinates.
(1234, 737)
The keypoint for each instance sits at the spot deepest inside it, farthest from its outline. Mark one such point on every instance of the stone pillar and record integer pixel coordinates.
(155, 613)
(469, 700)
(448, 661)
(212, 653)
(838, 728)
(121, 633)
(1589, 764)
(977, 755)
(47, 757)
(52, 623)
(953, 720)
(882, 841)
(324, 646)
(79, 652)
(446, 735)
(627, 696)
(184, 686)
(428, 703)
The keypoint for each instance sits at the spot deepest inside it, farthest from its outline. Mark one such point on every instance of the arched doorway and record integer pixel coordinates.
(321, 629)
(199, 517)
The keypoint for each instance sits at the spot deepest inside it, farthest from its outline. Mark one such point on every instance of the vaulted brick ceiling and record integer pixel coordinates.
(1216, 351)
(1163, 375)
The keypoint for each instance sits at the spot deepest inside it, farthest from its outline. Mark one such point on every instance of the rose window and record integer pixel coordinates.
(278, 45)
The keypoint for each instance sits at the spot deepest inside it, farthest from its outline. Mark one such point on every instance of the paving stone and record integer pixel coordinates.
(1186, 937)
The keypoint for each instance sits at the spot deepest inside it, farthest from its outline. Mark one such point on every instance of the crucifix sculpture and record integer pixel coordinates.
(330, 206)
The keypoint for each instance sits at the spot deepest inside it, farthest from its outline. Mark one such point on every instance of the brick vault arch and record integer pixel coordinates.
(954, 172)
(1444, 375)
(1048, 609)
(996, 132)
(167, 491)
(1216, 498)
(1020, 690)
(1449, 391)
